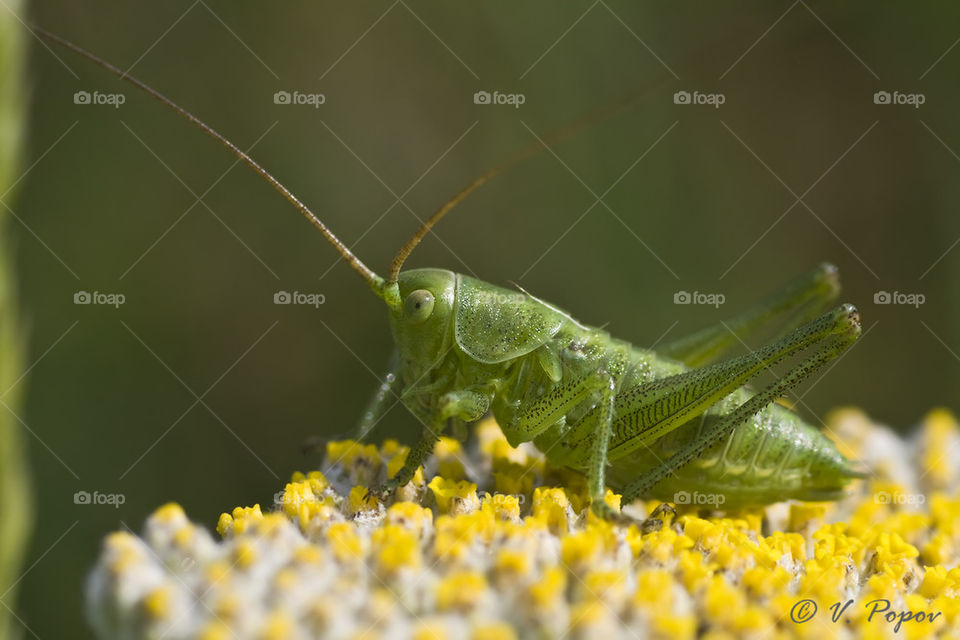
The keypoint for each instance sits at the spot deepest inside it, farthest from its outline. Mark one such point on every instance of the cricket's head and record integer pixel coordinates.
(422, 322)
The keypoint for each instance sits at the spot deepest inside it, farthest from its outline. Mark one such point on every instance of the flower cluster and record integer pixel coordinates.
(494, 543)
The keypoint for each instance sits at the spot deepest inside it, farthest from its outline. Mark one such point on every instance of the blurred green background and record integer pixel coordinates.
(199, 389)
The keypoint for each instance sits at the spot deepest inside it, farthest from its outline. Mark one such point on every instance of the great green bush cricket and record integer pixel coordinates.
(664, 424)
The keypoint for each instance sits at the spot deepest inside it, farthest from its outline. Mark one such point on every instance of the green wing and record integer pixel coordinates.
(494, 324)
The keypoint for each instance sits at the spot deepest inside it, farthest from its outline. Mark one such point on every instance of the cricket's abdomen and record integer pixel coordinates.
(774, 456)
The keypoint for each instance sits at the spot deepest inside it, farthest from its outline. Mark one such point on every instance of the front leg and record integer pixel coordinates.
(377, 406)
(465, 405)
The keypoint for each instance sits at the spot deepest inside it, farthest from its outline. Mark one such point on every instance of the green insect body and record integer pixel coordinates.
(466, 347)
(673, 423)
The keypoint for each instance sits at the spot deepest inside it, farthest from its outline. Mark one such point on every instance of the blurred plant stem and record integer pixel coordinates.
(16, 514)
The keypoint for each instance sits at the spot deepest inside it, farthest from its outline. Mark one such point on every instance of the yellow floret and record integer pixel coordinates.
(362, 499)
(654, 590)
(501, 507)
(824, 579)
(805, 514)
(461, 590)
(315, 479)
(500, 450)
(512, 562)
(581, 550)
(245, 554)
(170, 512)
(285, 579)
(216, 630)
(239, 521)
(447, 447)
(586, 614)
(124, 551)
(349, 453)
(512, 478)
(448, 452)
(611, 499)
(410, 515)
(308, 554)
(753, 620)
(493, 631)
(675, 627)
(185, 536)
(764, 581)
(940, 431)
(550, 508)
(157, 603)
(457, 495)
(397, 460)
(218, 571)
(304, 498)
(609, 587)
(939, 549)
(279, 626)
(545, 593)
(430, 630)
(945, 512)
(345, 544)
(664, 544)
(722, 601)
(694, 569)
(395, 548)
(634, 539)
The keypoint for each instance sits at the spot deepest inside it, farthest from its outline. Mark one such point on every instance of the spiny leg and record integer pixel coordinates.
(465, 405)
(647, 412)
(804, 298)
(378, 403)
(847, 323)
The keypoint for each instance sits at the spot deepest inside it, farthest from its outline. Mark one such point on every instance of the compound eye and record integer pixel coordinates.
(418, 306)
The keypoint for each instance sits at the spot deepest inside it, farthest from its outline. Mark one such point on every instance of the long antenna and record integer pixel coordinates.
(590, 117)
(375, 281)
(565, 131)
